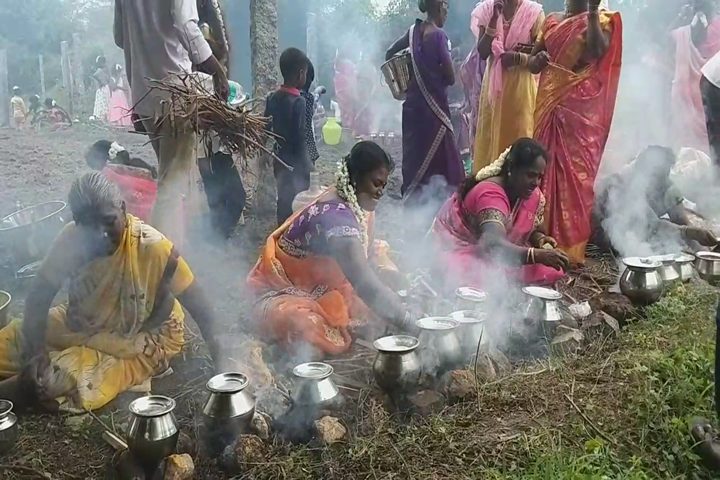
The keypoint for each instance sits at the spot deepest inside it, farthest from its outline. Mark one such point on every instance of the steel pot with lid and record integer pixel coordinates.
(397, 366)
(153, 431)
(8, 426)
(668, 271)
(440, 346)
(470, 298)
(470, 331)
(314, 387)
(228, 411)
(641, 281)
(684, 266)
(708, 267)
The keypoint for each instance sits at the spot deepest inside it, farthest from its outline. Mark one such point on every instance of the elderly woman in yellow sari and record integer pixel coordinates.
(123, 321)
(321, 272)
(505, 30)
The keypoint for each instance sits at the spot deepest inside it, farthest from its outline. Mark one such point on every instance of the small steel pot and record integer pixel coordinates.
(641, 281)
(470, 331)
(153, 431)
(314, 387)
(668, 272)
(439, 343)
(397, 366)
(542, 304)
(469, 298)
(228, 411)
(684, 266)
(708, 267)
(28, 233)
(8, 427)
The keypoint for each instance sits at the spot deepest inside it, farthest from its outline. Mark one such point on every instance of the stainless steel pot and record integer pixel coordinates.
(28, 233)
(439, 344)
(397, 366)
(153, 431)
(542, 304)
(314, 387)
(470, 331)
(668, 272)
(228, 411)
(5, 299)
(708, 267)
(641, 281)
(8, 427)
(469, 298)
(684, 266)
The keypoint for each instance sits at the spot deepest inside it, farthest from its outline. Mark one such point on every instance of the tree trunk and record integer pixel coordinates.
(259, 179)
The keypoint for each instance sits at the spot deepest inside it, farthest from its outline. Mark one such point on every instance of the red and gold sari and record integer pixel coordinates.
(573, 114)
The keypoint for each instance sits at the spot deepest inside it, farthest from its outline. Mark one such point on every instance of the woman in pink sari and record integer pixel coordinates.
(120, 112)
(493, 224)
(695, 44)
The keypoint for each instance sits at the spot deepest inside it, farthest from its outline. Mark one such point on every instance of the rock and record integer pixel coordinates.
(600, 324)
(250, 356)
(179, 467)
(567, 341)
(78, 422)
(616, 305)
(186, 445)
(330, 430)
(249, 450)
(485, 368)
(502, 365)
(261, 426)
(426, 402)
(459, 385)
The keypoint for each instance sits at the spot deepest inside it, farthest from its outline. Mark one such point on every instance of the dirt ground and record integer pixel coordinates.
(36, 168)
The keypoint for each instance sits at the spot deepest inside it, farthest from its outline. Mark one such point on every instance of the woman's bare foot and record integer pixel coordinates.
(707, 443)
(31, 386)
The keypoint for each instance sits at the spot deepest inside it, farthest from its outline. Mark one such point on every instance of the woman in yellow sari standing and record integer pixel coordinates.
(507, 99)
(123, 321)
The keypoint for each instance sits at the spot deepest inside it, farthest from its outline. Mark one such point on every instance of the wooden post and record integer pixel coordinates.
(77, 69)
(66, 73)
(4, 90)
(41, 63)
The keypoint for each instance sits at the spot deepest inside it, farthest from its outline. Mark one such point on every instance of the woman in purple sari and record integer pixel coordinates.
(429, 148)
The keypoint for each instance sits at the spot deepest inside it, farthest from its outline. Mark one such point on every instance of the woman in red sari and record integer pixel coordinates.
(573, 113)
(492, 227)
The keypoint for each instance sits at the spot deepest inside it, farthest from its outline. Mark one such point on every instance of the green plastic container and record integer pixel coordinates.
(332, 131)
(237, 94)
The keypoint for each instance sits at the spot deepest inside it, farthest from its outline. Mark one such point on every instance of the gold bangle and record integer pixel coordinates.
(524, 60)
(532, 256)
(527, 256)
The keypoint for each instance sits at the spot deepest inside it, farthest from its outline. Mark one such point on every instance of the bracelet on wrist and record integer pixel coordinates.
(491, 32)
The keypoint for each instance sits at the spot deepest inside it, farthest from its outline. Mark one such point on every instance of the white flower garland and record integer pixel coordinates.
(347, 193)
(115, 148)
(494, 169)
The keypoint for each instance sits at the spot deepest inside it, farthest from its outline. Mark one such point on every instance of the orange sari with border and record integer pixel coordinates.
(308, 298)
(573, 115)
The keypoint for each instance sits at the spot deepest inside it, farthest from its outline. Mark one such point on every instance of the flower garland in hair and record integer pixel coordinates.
(494, 169)
(115, 148)
(346, 192)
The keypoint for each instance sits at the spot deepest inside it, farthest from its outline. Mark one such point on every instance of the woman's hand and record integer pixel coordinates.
(556, 259)
(509, 59)
(543, 240)
(393, 279)
(498, 6)
(32, 382)
(706, 238)
(538, 62)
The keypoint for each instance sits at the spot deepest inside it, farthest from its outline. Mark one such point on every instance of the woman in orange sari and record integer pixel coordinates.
(573, 113)
(320, 273)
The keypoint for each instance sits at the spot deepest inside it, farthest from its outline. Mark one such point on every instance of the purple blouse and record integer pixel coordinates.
(309, 233)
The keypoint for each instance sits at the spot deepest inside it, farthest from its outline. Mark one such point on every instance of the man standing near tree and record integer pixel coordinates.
(162, 40)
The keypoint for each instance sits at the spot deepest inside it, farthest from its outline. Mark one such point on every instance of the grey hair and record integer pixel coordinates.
(90, 191)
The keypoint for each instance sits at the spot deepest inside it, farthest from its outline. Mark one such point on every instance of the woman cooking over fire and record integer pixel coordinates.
(124, 319)
(497, 217)
(429, 147)
(320, 272)
(573, 113)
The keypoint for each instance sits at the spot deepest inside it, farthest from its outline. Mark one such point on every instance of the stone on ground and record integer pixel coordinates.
(260, 426)
(567, 341)
(179, 467)
(249, 450)
(427, 402)
(330, 430)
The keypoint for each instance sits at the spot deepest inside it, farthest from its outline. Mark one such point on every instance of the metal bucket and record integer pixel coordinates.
(28, 233)
(5, 299)
(397, 74)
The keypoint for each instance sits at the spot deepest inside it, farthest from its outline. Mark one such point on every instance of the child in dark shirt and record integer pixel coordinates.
(287, 109)
(309, 97)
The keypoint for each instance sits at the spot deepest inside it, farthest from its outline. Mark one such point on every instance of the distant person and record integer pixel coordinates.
(505, 29)
(18, 109)
(287, 109)
(120, 112)
(695, 43)
(429, 147)
(710, 94)
(55, 115)
(102, 78)
(35, 108)
(310, 103)
(573, 113)
(162, 40)
(631, 206)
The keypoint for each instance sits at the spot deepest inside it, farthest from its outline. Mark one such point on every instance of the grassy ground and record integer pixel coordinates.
(618, 411)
